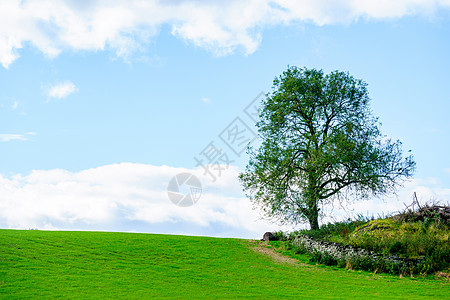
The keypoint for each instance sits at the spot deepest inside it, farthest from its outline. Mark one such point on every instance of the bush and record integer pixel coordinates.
(414, 240)
(336, 232)
(323, 258)
(280, 236)
(403, 248)
(298, 249)
(422, 246)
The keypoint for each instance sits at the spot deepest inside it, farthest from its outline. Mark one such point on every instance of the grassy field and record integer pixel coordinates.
(45, 264)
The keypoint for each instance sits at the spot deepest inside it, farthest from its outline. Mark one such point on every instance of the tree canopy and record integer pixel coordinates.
(319, 142)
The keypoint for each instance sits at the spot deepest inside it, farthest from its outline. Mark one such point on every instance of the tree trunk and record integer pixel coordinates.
(312, 201)
(313, 214)
(314, 222)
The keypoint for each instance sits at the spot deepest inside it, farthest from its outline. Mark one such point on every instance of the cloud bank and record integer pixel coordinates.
(221, 27)
(134, 197)
(126, 197)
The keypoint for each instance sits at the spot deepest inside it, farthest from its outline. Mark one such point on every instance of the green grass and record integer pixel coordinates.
(45, 264)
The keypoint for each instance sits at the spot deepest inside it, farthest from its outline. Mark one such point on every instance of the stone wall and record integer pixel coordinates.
(348, 253)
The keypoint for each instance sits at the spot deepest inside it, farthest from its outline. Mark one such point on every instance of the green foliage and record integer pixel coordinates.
(424, 240)
(319, 140)
(281, 236)
(338, 232)
(323, 258)
(409, 239)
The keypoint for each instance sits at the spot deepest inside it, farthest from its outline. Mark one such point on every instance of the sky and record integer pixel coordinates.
(108, 107)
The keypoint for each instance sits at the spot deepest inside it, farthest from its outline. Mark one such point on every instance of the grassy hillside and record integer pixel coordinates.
(421, 237)
(45, 264)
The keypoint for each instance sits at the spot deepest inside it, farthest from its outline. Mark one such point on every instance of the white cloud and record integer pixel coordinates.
(221, 27)
(324, 12)
(133, 197)
(7, 137)
(61, 90)
(126, 197)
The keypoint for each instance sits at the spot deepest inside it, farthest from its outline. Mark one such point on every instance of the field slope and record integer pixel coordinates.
(49, 264)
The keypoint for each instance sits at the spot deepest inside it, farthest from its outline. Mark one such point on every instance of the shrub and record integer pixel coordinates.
(422, 246)
(336, 232)
(280, 236)
(298, 248)
(323, 258)
(415, 240)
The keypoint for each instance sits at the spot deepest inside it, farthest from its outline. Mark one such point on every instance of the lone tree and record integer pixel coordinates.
(319, 142)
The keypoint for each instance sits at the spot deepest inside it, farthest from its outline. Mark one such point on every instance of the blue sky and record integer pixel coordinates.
(98, 97)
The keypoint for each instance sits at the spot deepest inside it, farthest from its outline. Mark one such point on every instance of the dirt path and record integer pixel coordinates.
(261, 247)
